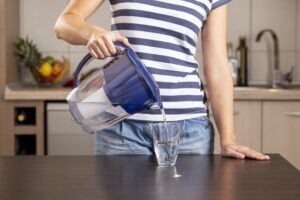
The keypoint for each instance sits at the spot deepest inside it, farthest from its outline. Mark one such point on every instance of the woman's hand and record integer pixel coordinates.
(101, 45)
(239, 151)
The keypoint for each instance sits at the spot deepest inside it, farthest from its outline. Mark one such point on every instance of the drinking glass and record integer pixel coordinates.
(166, 140)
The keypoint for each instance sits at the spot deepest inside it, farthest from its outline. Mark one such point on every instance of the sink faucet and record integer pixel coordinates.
(276, 76)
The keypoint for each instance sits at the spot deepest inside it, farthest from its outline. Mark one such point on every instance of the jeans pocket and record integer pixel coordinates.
(197, 136)
(202, 121)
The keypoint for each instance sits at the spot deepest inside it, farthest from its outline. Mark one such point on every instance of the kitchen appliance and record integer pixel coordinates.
(113, 92)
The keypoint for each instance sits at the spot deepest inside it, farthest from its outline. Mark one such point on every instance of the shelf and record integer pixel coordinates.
(25, 145)
(25, 116)
(24, 130)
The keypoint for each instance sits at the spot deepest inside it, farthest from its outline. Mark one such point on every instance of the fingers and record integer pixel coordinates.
(124, 40)
(93, 47)
(239, 151)
(102, 46)
(250, 153)
(229, 152)
(110, 46)
(92, 52)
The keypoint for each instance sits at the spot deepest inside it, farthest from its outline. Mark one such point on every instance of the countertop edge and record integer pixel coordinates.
(29, 94)
(16, 92)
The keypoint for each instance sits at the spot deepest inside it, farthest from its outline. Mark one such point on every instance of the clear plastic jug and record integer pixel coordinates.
(113, 92)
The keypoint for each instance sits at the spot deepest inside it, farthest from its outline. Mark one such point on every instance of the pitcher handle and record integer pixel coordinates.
(88, 57)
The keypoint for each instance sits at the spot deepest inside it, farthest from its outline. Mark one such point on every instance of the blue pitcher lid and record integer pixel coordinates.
(145, 77)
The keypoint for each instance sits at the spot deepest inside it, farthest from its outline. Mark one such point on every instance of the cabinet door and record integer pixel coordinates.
(247, 120)
(281, 130)
(64, 136)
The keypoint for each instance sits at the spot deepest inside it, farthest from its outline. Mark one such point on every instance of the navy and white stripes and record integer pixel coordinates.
(164, 35)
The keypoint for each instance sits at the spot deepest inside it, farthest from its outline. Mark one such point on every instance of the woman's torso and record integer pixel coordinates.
(164, 35)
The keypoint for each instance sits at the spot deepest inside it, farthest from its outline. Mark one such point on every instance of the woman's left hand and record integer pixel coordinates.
(239, 151)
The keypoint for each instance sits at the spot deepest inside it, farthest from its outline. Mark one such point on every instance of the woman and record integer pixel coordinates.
(164, 34)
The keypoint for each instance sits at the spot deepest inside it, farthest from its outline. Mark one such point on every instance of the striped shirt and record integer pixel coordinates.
(164, 35)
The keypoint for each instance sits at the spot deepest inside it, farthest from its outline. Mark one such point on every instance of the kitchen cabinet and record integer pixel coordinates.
(25, 137)
(247, 120)
(281, 128)
(266, 120)
(64, 135)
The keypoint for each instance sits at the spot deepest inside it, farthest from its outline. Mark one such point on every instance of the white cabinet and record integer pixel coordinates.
(268, 127)
(247, 120)
(281, 129)
(64, 135)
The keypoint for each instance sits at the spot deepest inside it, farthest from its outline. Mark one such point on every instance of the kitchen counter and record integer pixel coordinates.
(20, 92)
(138, 177)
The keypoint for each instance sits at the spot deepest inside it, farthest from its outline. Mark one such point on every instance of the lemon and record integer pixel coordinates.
(46, 69)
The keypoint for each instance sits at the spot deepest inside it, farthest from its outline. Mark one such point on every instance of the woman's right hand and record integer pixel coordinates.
(101, 45)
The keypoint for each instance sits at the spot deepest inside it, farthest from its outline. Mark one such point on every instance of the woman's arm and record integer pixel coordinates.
(72, 27)
(219, 84)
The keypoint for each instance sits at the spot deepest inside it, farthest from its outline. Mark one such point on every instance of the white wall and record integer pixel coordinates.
(246, 17)
(37, 19)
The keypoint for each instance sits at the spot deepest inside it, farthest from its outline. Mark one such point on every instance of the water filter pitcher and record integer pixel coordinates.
(113, 92)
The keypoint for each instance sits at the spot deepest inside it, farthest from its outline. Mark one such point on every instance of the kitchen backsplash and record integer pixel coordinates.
(245, 17)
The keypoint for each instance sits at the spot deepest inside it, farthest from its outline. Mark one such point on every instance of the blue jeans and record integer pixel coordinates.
(135, 137)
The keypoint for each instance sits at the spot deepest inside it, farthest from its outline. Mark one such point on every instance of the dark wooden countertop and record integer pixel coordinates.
(138, 177)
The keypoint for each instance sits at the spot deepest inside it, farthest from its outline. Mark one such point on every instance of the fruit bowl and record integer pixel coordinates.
(49, 73)
(38, 70)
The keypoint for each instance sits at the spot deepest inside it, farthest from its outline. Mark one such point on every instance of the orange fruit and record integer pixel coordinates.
(56, 70)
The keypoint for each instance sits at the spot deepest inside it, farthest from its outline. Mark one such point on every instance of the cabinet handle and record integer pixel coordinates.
(293, 114)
